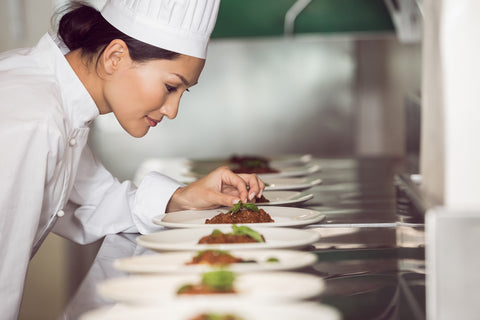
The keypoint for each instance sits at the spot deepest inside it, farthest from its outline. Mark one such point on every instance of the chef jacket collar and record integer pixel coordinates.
(78, 103)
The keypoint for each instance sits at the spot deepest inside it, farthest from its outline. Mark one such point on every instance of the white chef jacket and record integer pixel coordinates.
(49, 177)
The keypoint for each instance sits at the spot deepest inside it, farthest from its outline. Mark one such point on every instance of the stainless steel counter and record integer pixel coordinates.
(370, 255)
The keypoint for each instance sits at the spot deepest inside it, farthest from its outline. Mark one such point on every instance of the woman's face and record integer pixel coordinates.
(141, 94)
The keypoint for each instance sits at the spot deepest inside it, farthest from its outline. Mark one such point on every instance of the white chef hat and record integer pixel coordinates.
(182, 26)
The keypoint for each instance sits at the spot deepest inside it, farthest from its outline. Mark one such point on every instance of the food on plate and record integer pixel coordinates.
(214, 257)
(221, 258)
(251, 164)
(262, 199)
(234, 158)
(239, 234)
(215, 282)
(216, 316)
(241, 213)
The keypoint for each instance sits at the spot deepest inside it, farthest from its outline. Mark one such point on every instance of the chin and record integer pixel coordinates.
(137, 134)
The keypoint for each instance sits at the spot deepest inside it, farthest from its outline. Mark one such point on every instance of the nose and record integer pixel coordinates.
(170, 108)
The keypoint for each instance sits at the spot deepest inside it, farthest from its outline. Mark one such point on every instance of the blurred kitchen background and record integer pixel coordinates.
(340, 79)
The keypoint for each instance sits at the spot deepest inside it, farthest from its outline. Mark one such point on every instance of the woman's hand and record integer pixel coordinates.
(221, 187)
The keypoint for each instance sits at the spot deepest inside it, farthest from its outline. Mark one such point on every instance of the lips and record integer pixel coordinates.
(152, 122)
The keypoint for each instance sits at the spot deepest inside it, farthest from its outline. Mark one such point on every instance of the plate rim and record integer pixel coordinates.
(314, 308)
(300, 197)
(158, 219)
(306, 170)
(104, 288)
(305, 241)
(126, 264)
(292, 187)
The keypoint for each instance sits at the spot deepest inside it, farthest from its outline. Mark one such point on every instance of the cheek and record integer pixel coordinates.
(134, 92)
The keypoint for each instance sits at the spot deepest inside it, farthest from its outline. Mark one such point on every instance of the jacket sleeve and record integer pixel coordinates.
(100, 205)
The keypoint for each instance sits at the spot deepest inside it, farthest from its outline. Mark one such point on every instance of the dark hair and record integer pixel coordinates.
(83, 27)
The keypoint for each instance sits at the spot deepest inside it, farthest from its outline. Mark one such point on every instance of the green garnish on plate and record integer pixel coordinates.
(241, 231)
(219, 280)
(240, 205)
(244, 230)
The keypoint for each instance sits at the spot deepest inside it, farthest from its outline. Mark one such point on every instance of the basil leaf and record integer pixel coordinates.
(219, 280)
(240, 205)
(216, 232)
(244, 230)
(251, 207)
(236, 207)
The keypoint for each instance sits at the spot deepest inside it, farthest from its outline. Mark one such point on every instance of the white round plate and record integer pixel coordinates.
(259, 287)
(187, 239)
(300, 183)
(175, 262)
(277, 198)
(290, 160)
(187, 311)
(292, 172)
(283, 217)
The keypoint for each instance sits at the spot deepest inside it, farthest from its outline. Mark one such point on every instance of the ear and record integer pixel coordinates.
(115, 54)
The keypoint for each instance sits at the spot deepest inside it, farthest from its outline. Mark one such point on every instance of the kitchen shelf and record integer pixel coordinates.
(254, 18)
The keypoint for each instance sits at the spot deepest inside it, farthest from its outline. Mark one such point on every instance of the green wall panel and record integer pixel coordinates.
(251, 18)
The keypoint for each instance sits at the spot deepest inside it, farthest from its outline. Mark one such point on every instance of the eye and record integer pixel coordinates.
(170, 88)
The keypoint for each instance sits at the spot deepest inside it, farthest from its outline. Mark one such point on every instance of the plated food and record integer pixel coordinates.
(294, 183)
(251, 164)
(214, 258)
(281, 216)
(214, 282)
(238, 234)
(189, 310)
(204, 260)
(241, 213)
(187, 239)
(295, 171)
(260, 287)
(217, 316)
(284, 197)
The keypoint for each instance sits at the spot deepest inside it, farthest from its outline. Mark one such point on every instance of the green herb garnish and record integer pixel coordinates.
(273, 259)
(184, 288)
(254, 163)
(244, 230)
(240, 205)
(219, 280)
(216, 232)
(218, 252)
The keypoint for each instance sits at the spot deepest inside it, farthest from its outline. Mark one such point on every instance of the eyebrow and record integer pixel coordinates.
(185, 82)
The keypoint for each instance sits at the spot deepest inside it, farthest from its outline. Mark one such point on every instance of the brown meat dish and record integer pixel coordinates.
(251, 164)
(248, 158)
(258, 170)
(262, 199)
(226, 238)
(202, 289)
(242, 216)
(214, 257)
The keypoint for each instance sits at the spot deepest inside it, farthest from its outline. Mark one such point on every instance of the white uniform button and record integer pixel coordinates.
(72, 142)
(60, 213)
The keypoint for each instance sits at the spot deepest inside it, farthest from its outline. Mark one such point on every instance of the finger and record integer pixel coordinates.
(255, 184)
(234, 180)
(224, 199)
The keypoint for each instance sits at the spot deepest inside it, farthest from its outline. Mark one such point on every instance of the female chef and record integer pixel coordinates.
(135, 58)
